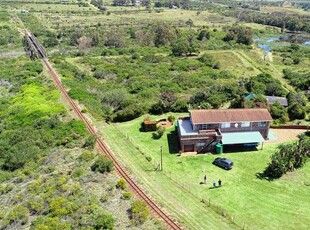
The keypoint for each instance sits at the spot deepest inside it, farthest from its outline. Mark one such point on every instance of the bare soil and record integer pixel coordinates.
(285, 135)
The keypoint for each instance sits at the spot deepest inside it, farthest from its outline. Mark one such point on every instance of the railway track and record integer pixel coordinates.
(102, 147)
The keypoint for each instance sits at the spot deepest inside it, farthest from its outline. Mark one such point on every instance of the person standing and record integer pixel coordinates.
(220, 183)
(205, 179)
(214, 184)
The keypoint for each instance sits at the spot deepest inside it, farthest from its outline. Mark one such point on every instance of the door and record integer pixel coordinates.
(188, 148)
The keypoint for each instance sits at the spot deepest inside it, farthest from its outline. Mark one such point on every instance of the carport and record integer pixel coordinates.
(242, 138)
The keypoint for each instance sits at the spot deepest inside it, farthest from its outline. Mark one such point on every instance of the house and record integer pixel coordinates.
(203, 129)
(272, 99)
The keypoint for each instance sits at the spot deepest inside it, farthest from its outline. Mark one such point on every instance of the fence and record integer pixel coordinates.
(187, 187)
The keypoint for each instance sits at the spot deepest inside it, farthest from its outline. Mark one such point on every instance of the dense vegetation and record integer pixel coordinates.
(289, 157)
(46, 163)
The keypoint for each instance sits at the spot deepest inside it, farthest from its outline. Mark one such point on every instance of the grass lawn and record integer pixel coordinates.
(244, 199)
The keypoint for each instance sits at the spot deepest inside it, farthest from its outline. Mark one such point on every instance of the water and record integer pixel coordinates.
(307, 43)
(266, 48)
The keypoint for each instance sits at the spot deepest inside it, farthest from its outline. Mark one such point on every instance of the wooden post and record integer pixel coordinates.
(161, 158)
(262, 145)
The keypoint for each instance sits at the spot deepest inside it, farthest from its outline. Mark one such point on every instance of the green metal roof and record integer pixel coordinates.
(241, 138)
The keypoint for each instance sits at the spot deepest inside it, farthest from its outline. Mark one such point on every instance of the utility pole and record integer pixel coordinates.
(161, 158)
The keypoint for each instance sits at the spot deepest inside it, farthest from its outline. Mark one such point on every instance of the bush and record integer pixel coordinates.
(102, 164)
(90, 142)
(148, 158)
(121, 184)
(139, 212)
(171, 118)
(159, 133)
(85, 156)
(77, 172)
(19, 214)
(104, 221)
(126, 196)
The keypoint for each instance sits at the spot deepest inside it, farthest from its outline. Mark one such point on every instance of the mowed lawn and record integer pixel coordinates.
(245, 200)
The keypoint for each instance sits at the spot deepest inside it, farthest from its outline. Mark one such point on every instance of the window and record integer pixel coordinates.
(245, 124)
(200, 144)
(225, 125)
(204, 126)
(262, 124)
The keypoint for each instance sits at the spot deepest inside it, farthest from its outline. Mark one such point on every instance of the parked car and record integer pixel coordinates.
(223, 163)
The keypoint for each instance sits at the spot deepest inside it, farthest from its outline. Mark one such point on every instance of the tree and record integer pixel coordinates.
(289, 157)
(164, 34)
(203, 35)
(296, 111)
(240, 34)
(115, 38)
(146, 3)
(185, 45)
(277, 111)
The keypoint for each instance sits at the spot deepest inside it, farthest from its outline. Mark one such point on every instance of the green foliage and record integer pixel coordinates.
(121, 184)
(104, 221)
(148, 158)
(243, 35)
(86, 156)
(298, 80)
(102, 164)
(296, 111)
(181, 105)
(46, 222)
(139, 212)
(33, 102)
(184, 45)
(77, 172)
(19, 214)
(265, 84)
(5, 188)
(203, 35)
(60, 206)
(171, 118)
(90, 142)
(159, 133)
(289, 157)
(278, 111)
(126, 196)
(207, 60)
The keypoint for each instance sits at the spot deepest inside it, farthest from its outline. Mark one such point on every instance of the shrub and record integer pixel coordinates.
(19, 214)
(90, 142)
(148, 158)
(86, 156)
(77, 172)
(102, 164)
(171, 118)
(104, 221)
(139, 212)
(159, 133)
(126, 196)
(121, 184)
